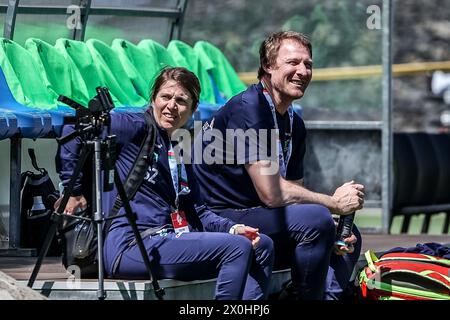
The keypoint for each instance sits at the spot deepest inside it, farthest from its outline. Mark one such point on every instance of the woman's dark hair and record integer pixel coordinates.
(182, 76)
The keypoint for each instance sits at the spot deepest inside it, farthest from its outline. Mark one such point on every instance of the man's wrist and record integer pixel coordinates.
(234, 227)
(333, 206)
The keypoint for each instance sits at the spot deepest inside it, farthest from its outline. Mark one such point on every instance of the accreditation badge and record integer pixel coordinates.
(179, 222)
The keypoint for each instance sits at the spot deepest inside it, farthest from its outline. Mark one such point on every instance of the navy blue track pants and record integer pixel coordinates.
(303, 238)
(242, 272)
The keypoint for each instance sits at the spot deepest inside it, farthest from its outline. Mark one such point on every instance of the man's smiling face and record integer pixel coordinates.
(292, 71)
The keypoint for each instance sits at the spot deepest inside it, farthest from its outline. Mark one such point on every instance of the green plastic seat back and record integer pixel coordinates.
(161, 58)
(138, 65)
(114, 73)
(185, 56)
(79, 54)
(220, 68)
(60, 75)
(24, 78)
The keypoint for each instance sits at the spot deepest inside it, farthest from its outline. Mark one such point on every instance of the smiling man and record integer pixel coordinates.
(248, 190)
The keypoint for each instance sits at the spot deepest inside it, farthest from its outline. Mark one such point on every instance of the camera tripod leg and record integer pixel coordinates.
(44, 249)
(101, 294)
(159, 292)
(56, 217)
(98, 216)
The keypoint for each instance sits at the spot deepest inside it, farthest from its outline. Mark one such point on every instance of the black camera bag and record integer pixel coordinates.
(35, 223)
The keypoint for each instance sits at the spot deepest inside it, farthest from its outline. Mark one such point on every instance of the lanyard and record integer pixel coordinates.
(179, 176)
(282, 160)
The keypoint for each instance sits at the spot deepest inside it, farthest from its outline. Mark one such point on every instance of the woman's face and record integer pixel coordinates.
(172, 106)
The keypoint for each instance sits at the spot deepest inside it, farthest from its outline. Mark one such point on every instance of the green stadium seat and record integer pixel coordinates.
(185, 56)
(23, 92)
(161, 58)
(25, 80)
(223, 73)
(138, 64)
(79, 54)
(60, 74)
(115, 75)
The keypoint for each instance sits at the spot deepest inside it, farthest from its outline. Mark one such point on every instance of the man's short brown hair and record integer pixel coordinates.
(268, 50)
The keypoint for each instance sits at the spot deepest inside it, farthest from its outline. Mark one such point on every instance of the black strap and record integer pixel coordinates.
(26, 174)
(140, 167)
(23, 178)
(34, 162)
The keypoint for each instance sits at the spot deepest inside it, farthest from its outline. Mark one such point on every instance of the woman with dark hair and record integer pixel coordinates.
(169, 213)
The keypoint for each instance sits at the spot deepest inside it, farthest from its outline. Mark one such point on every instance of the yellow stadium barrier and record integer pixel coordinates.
(347, 73)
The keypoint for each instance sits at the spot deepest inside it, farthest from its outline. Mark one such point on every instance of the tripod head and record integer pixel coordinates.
(102, 103)
(89, 121)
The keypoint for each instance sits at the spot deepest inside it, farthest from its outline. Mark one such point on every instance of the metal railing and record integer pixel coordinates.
(176, 15)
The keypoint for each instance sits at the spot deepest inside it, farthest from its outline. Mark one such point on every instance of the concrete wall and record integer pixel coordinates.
(335, 156)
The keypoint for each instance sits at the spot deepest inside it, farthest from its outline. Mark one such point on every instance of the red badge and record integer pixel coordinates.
(179, 221)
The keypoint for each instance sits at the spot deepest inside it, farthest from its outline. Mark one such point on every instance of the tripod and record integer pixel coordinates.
(90, 127)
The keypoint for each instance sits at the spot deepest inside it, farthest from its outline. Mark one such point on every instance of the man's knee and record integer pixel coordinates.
(265, 243)
(324, 223)
(311, 223)
(265, 250)
(239, 245)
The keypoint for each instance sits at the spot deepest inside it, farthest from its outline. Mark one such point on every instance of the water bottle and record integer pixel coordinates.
(37, 209)
(61, 189)
(344, 228)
